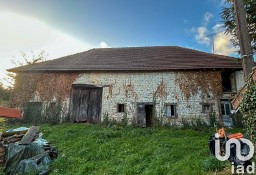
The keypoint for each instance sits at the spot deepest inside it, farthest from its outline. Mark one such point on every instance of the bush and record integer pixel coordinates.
(32, 114)
(248, 109)
(124, 121)
(199, 124)
(213, 164)
(237, 119)
(212, 118)
(106, 121)
(186, 124)
(53, 113)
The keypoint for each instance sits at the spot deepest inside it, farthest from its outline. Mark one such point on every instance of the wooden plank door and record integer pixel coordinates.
(86, 104)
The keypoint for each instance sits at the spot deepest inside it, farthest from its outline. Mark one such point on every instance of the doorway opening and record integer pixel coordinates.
(145, 114)
(226, 108)
(149, 115)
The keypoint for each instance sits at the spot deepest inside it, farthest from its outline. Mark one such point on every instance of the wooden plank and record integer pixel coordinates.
(30, 135)
(8, 134)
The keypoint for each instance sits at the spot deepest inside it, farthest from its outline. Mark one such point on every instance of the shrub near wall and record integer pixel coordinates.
(248, 109)
(35, 113)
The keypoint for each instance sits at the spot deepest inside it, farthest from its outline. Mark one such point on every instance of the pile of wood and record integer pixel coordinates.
(21, 137)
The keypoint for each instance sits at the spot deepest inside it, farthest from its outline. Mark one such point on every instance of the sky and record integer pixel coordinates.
(63, 27)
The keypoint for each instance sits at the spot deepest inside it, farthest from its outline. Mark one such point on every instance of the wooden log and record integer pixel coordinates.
(15, 137)
(30, 135)
(12, 140)
(8, 134)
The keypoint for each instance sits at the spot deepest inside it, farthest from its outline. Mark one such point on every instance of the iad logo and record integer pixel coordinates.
(238, 149)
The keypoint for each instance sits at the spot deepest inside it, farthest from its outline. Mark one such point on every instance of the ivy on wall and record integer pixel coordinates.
(190, 82)
(248, 109)
(46, 85)
(161, 90)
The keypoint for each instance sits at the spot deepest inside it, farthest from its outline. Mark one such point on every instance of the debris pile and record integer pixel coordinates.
(23, 150)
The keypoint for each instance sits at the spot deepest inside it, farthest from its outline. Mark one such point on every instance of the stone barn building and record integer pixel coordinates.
(141, 83)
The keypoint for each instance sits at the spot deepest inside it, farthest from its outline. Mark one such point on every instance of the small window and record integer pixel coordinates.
(170, 110)
(206, 108)
(120, 108)
(226, 108)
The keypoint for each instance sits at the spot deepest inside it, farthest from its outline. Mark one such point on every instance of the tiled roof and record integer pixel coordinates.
(155, 58)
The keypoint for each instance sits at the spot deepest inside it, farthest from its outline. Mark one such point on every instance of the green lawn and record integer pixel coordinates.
(93, 149)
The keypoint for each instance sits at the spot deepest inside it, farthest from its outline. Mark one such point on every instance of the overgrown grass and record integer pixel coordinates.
(93, 149)
(96, 149)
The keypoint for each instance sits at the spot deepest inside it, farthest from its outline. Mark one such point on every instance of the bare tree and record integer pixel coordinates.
(27, 59)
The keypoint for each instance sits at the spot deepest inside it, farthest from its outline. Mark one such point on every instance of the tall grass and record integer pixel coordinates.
(93, 149)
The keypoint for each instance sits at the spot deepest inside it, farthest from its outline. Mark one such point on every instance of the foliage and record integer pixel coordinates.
(66, 118)
(106, 121)
(53, 114)
(34, 114)
(186, 124)
(93, 149)
(248, 109)
(213, 164)
(213, 122)
(26, 60)
(47, 85)
(212, 118)
(237, 119)
(4, 95)
(228, 18)
(113, 123)
(197, 124)
(30, 59)
(208, 82)
(160, 92)
(124, 120)
(26, 84)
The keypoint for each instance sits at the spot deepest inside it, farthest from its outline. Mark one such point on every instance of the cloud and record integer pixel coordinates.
(207, 18)
(202, 32)
(222, 43)
(201, 36)
(218, 28)
(103, 45)
(26, 34)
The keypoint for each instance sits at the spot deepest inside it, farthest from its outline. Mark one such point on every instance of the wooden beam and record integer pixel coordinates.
(30, 135)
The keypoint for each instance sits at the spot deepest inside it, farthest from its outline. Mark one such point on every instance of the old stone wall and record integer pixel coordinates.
(42, 87)
(189, 90)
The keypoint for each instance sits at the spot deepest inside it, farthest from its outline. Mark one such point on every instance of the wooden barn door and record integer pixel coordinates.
(86, 104)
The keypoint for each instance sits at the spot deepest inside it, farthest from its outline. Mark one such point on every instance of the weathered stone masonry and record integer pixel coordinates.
(159, 87)
(188, 90)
